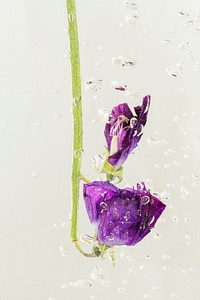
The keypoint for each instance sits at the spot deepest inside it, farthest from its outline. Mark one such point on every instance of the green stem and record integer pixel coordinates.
(77, 114)
(77, 121)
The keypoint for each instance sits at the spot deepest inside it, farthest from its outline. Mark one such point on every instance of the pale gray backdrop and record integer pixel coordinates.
(37, 259)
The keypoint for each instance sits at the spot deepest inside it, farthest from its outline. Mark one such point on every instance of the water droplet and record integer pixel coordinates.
(104, 115)
(123, 61)
(195, 184)
(56, 91)
(118, 86)
(187, 237)
(173, 295)
(176, 163)
(126, 256)
(155, 288)
(129, 4)
(183, 45)
(197, 30)
(145, 200)
(132, 20)
(63, 251)
(121, 290)
(191, 269)
(131, 271)
(58, 115)
(167, 268)
(157, 166)
(134, 95)
(93, 85)
(85, 44)
(115, 213)
(64, 286)
(175, 71)
(184, 192)
(98, 274)
(175, 219)
(166, 256)
(187, 23)
(188, 243)
(187, 155)
(125, 282)
(153, 142)
(167, 166)
(35, 175)
(147, 296)
(183, 14)
(184, 178)
(185, 272)
(166, 42)
(38, 124)
(170, 184)
(169, 152)
(142, 267)
(82, 284)
(103, 207)
(186, 220)
(105, 283)
(101, 48)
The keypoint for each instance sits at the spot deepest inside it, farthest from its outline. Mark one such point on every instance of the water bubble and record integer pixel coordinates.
(118, 86)
(167, 268)
(175, 219)
(187, 237)
(129, 4)
(170, 184)
(101, 48)
(166, 256)
(187, 23)
(82, 284)
(77, 153)
(38, 124)
(93, 85)
(98, 274)
(188, 243)
(184, 192)
(176, 70)
(63, 251)
(142, 267)
(134, 95)
(183, 14)
(105, 283)
(85, 44)
(197, 30)
(186, 220)
(132, 20)
(58, 115)
(125, 282)
(153, 142)
(70, 17)
(131, 271)
(166, 42)
(115, 213)
(155, 288)
(169, 151)
(173, 295)
(191, 269)
(195, 184)
(176, 163)
(121, 290)
(185, 272)
(56, 91)
(103, 207)
(35, 175)
(147, 296)
(64, 286)
(123, 61)
(127, 216)
(145, 200)
(167, 166)
(104, 115)
(187, 155)
(184, 177)
(126, 256)
(157, 166)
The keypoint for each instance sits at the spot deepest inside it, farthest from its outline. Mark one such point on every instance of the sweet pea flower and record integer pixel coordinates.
(124, 130)
(122, 216)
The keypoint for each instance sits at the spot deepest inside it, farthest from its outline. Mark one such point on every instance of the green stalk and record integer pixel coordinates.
(77, 120)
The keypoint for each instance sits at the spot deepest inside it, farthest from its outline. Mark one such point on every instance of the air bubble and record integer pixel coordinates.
(98, 274)
(167, 268)
(187, 155)
(127, 216)
(183, 45)
(93, 85)
(132, 20)
(38, 124)
(134, 95)
(166, 42)
(176, 70)
(187, 24)
(105, 283)
(183, 14)
(153, 142)
(58, 115)
(35, 175)
(118, 86)
(126, 256)
(166, 256)
(173, 295)
(197, 30)
(169, 151)
(104, 115)
(103, 207)
(131, 5)
(145, 200)
(82, 284)
(123, 61)
(175, 219)
(121, 290)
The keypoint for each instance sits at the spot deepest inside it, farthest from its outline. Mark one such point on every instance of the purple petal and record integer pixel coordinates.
(123, 216)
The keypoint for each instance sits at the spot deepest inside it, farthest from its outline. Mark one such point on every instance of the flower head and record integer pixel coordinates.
(123, 216)
(124, 130)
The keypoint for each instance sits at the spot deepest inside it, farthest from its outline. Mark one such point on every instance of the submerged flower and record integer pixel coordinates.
(124, 130)
(123, 216)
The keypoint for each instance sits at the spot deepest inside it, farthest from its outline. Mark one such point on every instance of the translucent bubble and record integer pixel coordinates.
(166, 42)
(132, 20)
(183, 14)
(197, 30)
(142, 267)
(175, 71)
(131, 271)
(134, 95)
(153, 142)
(105, 283)
(147, 296)
(118, 86)
(115, 213)
(35, 175)
(93, 85)
(169, 151)
(185, 272)
(195, 184)
(155, 288)
(127, 216)
(123, 61)
(187, 23)
(58, 115)
(129, 4)
(176, 163)
(121, 290)
(126, 256)
(82, 284)
(188, 243)
(145, 200)
(167, 166)
(173, 295)
(167, 268)
(166, 256)
(125, 282)
(157, 166)
(187, 155)
(103, 207)
(185, 193)
(175, 219)
(184, 178)
(98, 274)
(186, 220)
(38, 124)
(101, 48)
(170, 184)
(104, 115)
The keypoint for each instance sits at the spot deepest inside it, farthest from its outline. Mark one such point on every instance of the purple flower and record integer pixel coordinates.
(124, 130)
(123, 216)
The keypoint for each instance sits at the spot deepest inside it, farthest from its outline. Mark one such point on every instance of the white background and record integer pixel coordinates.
(36, 138)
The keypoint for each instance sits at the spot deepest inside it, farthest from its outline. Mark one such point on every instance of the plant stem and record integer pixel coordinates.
(77, 114)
